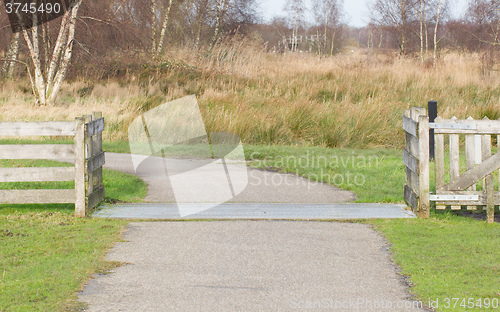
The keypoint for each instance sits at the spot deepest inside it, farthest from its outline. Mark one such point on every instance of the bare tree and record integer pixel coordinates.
(397, 15)
(295, 10)
(485, 14)
(49, 75)
(327, 14)
(12, 55)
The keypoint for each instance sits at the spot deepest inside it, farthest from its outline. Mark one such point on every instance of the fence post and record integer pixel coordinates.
(80, 209)
(423, 185)
(432, 106)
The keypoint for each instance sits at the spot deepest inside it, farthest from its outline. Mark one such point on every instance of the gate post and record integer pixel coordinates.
(423, 177)
(80, 209)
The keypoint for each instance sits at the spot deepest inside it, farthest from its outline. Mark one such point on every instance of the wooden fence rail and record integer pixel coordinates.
(86, 151)
(455, 187)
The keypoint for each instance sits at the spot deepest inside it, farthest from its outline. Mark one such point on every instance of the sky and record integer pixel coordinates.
(356, 11)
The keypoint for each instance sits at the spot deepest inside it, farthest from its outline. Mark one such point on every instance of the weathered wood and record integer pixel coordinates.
(423, 135)
(482, 127)
(473, 175)
(416, 112)
(488, 180)
(37, 174)
(482, 200)
(439, 158)
(89, 153)
(50, 128)
(470, 161)
(37, 196)
(40, 151)
(454, 159)
(95, 162)
(412, 144)
(411, 198)
(80, 200)
(95, 126)
(94, 199)
(410, 161)
(410, 126)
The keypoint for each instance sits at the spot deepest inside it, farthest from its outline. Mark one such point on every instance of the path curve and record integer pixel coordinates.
(263, 186)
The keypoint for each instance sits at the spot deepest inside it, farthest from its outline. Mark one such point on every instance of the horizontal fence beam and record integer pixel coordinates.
(37, 174)
(95, 162)
(468, 126)
(38, 151)
(37, 196)
(463, 198)
(95, 127)
(49, 128)
(410, 126)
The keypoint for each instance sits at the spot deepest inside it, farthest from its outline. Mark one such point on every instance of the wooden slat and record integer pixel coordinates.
(37, 196)
(40, 151)
(37, 174)
(51, 128)
(410, 161)
(95, 162)
(95, 198)
(473, 175)
(470, 158)
(410, 126)
(423, 176)
(439, 158)
(95, 127)
(80, 168)
(412, 144)
(411, 198)
(454, 159)
(482, 127)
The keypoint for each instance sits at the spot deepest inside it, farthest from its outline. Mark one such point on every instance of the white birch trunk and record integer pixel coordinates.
(63, 68)
(159, 50)
(435, 31)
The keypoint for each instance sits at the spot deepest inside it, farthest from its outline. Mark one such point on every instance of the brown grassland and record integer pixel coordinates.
(353, 100)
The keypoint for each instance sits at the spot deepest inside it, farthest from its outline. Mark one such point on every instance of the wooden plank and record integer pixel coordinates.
(416, 112)
(95, 199)
(412, 144)
(423, 135)
(411, 198)
(439, 158)
(95, 162)
(482, 127)
(470, 161)
(37, 196)
(50, 128)
(454, 159)
(36, 174)
(80, 200)
(473, 175)
(410, 161)
(39, 151)
(95, 127)
(410, 126)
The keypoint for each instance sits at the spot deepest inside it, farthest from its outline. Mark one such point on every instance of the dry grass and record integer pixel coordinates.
(353, 100)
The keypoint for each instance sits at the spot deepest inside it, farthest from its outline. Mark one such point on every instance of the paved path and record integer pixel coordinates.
(263, 186)
(249, 266)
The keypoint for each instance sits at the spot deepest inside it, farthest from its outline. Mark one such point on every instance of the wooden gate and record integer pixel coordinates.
(86, 152)
(467, 179)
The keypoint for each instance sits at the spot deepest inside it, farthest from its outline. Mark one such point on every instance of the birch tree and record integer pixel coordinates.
(160, 15)
(49, 76)
(295, 10)
(11, 57)
(327, 16)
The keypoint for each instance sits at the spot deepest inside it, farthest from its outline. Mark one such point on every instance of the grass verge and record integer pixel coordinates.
(447, 257)
(46, 254)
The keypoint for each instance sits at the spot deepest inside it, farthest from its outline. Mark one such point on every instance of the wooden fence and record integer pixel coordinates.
(86, 151)
(470, 186)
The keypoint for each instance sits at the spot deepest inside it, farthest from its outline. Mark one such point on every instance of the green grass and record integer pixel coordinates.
(46, 254)
(446, 256)
(359, 171)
